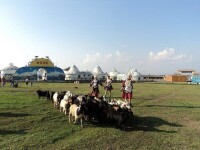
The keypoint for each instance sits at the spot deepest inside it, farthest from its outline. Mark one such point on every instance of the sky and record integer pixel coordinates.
(152, 36)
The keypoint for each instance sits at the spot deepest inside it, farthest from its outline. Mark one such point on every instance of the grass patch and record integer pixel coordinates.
(166, 117)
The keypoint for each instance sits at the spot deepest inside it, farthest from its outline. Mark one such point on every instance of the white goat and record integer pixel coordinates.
(73, 112)
(65, 102)
(55, 100)
(63, 105)
(122, 104)
(113, 102)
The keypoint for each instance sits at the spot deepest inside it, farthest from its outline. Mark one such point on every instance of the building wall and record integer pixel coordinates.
(176, 78)
(41, 62)
(53, 73)
(195, 79)
(72, 77)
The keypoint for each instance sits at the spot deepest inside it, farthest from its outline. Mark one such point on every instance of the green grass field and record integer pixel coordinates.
(167, 116)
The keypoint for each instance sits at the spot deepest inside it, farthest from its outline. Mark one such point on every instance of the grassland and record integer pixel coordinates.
(167, 116)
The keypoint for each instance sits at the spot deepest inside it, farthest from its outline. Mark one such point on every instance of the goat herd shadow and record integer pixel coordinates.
(150, 124)
(146, 124)
(136, 123)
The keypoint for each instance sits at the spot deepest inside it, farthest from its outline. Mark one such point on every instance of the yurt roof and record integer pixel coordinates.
(73, 70)
(114, 72)
(134, 72)
(67, 69)
(98, 70)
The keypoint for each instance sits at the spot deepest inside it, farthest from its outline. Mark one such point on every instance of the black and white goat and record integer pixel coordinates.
(57, 97)
(76, 112)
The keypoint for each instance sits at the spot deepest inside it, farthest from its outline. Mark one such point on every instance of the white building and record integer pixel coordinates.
(136, 76)
(186, 72)
(97, 71)
(121, 77)
(8, 71)
(72, 73)
(113, 74)
(86, 75)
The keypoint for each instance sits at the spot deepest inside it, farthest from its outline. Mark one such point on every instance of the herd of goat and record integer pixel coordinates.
(86, 107)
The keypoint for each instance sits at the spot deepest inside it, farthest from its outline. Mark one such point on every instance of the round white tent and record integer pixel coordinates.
(9, 71)
(97, 71)
(121, 77)
(72, 73)
(113, 74)
(136, 76)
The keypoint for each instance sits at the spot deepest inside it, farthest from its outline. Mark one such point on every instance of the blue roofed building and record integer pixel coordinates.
(40, 69)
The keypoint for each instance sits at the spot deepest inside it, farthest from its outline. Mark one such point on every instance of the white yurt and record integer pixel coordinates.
(97, 71)
(8, 71)
(113, 74)
(136, 76)
(121, 77)
(72, 73)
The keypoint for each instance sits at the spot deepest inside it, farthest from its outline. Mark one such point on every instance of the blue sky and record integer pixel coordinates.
(153, 36)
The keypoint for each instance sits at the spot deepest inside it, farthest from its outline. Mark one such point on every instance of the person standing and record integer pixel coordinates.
(95, 87)
(3, 81)
(26, 81)
(127, 89)
(108, 86)
(123, 89)
(12, 81)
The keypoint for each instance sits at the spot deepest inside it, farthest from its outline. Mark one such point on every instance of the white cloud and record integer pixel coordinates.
(162, 55)
(166, 61)
(118, 53)
(182, 57)
(108, 61)
(92, 58)
(151, 54)
(99, 58)
(109, 56)
(168, 54)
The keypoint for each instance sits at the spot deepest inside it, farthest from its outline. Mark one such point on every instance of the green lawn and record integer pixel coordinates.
(167, 116)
